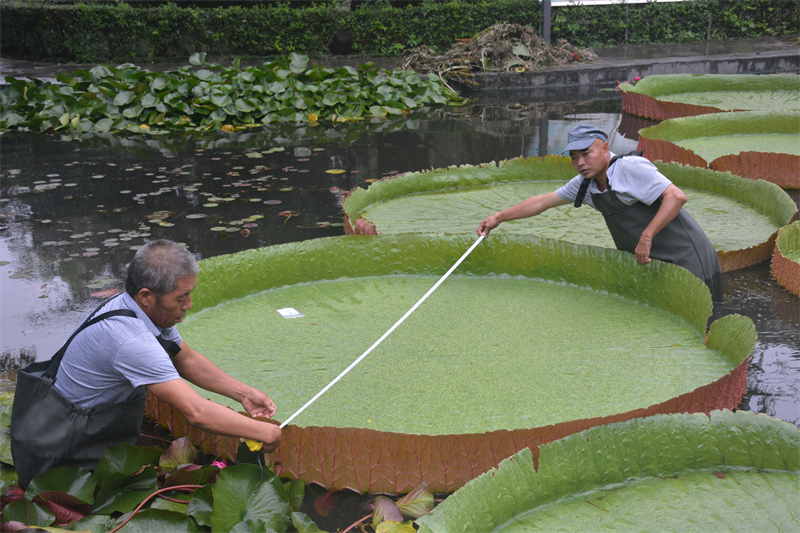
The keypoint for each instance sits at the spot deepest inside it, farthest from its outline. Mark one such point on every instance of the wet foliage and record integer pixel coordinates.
(212, 97)
(142, 488)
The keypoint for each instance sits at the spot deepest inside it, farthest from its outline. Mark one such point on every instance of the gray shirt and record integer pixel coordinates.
(108, 360)
(632, 178)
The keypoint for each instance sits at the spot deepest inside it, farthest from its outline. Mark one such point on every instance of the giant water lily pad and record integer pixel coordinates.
(786, 261)
(682, 95)
(741, 217)
(530, 340)
(727, 472)
(755, 145)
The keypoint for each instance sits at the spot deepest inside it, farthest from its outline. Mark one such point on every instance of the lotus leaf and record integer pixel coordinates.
(123, 493)
(160, 520)
(514, 289)
(739, 216)
(755, 145)
(201, 505)
(663, 473)
(76, 483)
(303, 523)
(239, 496)
(122, 458)
(27, 512)
(679, 95)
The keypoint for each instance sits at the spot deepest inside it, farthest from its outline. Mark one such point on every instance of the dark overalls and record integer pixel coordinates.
(48, 430)
(681, 242)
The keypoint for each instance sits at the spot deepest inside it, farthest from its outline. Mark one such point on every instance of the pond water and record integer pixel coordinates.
(73, 210)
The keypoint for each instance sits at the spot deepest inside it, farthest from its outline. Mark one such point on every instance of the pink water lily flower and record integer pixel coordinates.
(219, 464)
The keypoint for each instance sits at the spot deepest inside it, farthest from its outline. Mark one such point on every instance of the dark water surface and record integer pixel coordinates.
(73, 210)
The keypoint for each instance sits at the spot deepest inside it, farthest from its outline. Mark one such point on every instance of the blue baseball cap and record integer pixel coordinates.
(582, 136)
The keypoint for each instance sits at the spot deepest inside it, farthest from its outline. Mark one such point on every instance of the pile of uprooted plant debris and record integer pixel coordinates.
(500, 48)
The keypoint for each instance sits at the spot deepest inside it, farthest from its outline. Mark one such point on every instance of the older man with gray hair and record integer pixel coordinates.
(92, 393)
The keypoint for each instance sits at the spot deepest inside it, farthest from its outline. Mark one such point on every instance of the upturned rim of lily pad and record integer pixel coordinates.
(366, 460)
(766, 198)
(785, 269)
(643, 98)
(598, 458)
(660, 142)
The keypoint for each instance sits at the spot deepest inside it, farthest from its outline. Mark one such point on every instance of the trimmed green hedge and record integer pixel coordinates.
(91, 33)
(675, 22)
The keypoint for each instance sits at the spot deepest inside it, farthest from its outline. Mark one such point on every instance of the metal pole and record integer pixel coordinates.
(546, 22)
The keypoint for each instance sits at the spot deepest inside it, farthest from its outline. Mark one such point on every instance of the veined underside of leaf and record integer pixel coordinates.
(664, 473)
(681, 95)
(756, 145)
(740, 216)
(378, 461)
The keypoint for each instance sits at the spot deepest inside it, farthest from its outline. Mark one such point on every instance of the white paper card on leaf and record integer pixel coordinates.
(290, 312)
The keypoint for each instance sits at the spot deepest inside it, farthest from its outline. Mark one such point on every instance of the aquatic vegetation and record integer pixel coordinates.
(131, 99)
(756, 145)
(691, 466)
(740, 216)
(149, 489)
(394, 391)
(680, 95)
(786, 261)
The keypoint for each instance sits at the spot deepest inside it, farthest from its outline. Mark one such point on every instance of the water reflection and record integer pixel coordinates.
(74, 209)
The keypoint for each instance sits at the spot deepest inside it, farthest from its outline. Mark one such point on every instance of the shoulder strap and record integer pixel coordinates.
(585, 183)
(55, 362)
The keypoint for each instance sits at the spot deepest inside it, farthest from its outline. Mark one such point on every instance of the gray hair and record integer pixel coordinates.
(158, 265)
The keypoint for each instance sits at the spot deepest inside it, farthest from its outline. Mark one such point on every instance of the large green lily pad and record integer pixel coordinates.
(755, 145)
(679, 95)
(486, 366)
(727, 472)
(740, 216)
(786, 261)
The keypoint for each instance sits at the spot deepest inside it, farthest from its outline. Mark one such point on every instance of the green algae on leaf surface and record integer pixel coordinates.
(664, 473)
(678, 95)
(756, 145)
(491, 341)
(786, 260)
(739, 216)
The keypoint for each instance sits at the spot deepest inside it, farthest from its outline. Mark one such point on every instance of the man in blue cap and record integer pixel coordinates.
(642, 208)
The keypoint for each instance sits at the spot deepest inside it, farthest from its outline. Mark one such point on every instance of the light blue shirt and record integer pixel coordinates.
(632, 178)
(106, 361)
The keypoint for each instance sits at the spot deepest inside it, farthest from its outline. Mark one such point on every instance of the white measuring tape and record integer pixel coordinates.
(391, 329)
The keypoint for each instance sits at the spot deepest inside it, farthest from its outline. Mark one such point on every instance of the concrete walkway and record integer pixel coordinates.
(578, 81)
